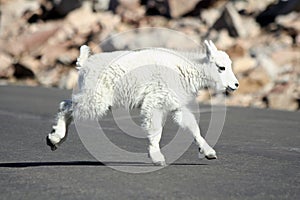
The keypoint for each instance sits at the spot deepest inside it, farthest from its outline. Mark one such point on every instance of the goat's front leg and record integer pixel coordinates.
(60, 129)
(186, 119)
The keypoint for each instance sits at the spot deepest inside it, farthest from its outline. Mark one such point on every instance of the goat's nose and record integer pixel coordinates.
(236, 85)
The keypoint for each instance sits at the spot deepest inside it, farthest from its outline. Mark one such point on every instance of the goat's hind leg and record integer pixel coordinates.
(154, 129)
(60, 129)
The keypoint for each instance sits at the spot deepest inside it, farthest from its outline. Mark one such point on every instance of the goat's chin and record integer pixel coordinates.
(230, 89)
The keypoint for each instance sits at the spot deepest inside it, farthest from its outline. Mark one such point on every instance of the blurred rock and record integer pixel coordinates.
(157, 7)
(153, 21)
(284, 97)
(51, 77)
(290, 23)
(235, 24)
(254, 82)
(231, 20)
(297, 39)
(22, 72)
(6, 69)
(58, 8)
(286, 56)
(281, 8)
(130, 11)
(11, 16)
(245, 100)
(203, 96)
(28, 42)
(282, 102)
(80, 23)
(252, 7)
(176, 8)
(68, 80)
(235, 51)
(224, 41)
(244, 64)
(109, 23)
(269, 65)
(210, 16)
(180, 7)
(103, 5)
(30, 63)
(68, 57)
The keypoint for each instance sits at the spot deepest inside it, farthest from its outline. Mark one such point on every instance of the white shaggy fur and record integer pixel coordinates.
(114, 79)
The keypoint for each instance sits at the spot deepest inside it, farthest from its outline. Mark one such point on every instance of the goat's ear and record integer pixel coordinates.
(212, 46)
(208, 49)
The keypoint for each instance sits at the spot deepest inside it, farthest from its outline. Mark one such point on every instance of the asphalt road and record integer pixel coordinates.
(258, 157)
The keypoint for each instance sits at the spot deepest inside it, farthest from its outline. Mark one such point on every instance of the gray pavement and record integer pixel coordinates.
(258, 157)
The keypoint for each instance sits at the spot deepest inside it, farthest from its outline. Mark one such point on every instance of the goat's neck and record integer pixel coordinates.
(203, 70)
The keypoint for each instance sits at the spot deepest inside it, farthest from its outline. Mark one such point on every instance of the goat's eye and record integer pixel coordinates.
(221, 68)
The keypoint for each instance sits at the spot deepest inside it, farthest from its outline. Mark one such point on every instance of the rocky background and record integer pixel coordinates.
(39, 40)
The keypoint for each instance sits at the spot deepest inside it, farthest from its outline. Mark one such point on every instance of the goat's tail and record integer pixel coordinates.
(85, 53)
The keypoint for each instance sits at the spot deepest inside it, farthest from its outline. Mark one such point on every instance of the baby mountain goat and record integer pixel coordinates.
(104, 82)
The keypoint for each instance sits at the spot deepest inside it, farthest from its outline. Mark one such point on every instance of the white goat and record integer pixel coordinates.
(102, 85)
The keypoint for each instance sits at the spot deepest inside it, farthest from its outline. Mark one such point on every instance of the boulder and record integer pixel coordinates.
(235, 24)
(22, 72)
(210, 16)
(282, 7)
(157, 7)
(178, 8)
(244, 100)
(69, 79)
(79, 23)
(203, 96)
(232, 21)
(252, 7)
(51, 77)
(11, 13)
(284, 97)
(286, 56)
(290, 23)
(58, 8)
(30, 41)
(223, 40)
(102, 5)
(270, 67)
(297, 39)
(130, 11)
(30, 63)
(105, 22)
(6, 69)
(237, 50)
(243, 65)
(255, 82)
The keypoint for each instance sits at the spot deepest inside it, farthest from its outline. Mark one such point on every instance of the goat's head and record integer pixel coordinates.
(220, 67)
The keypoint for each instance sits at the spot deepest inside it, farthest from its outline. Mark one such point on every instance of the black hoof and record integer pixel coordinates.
(49, 143)
(210, 158)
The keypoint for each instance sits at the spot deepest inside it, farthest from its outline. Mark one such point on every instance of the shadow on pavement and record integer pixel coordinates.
(84, 163)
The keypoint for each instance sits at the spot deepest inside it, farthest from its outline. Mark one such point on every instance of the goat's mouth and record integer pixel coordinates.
(230, 89)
